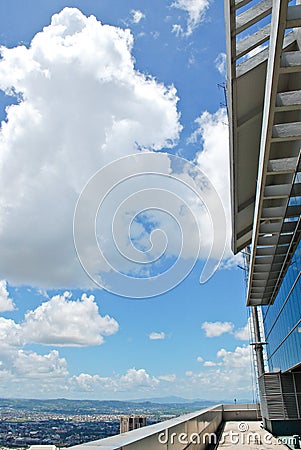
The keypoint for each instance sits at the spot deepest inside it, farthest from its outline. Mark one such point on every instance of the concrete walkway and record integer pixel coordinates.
(248, 435)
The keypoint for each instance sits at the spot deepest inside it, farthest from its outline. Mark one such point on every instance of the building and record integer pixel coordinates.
(264, 107)
(129, 423)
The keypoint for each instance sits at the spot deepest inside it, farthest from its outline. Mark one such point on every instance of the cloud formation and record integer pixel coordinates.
(65, 322)
(157, 336)
(68, 123)
(227, 375)
(212, 134)
(82, 104)
(195, 10)
(6, 303)
(214, 329)
(61, 322)
(133, 379)
(243, 334)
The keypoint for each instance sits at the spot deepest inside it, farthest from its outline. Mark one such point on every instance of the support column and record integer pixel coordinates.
(258, 343)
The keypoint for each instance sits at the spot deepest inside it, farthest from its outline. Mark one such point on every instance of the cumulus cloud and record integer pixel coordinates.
(6, 303)
(48, 375)
(11, 334)
(200, 359)
(138, 378)
(87, 382)
(59, 321)
(214, 329)
(210, 364)
(68, 123)
(240, 358)
(227, 375)
(65, 322)
(157, 336)
(29, 364)
(133, 380)
(82, 104)
(169, 378)
(25, 372)
(195, 10)
(212, 133)
(243, 334)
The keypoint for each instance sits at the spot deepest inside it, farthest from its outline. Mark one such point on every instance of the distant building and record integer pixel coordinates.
(264, 106)
(129, 423)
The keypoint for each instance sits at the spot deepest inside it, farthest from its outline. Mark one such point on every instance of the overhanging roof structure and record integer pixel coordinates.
(264, 107)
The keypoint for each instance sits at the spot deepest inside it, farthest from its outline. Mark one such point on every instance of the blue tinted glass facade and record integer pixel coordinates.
(282, 320)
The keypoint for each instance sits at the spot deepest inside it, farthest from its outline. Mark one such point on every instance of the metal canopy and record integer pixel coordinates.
(264, 106)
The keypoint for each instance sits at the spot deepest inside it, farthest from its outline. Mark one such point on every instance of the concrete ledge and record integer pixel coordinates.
(194, 430)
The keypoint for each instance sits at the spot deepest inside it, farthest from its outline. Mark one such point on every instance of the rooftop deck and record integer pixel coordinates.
(250, 435)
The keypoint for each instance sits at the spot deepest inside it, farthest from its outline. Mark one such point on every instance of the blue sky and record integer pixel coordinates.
(84, 93)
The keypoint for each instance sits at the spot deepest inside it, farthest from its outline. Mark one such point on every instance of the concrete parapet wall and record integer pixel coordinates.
(194, 430)
(247, 412)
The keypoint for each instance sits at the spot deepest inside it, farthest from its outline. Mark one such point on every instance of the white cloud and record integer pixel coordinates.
(169, 378)
(240, 358)
(132, 381)
(82, 105)
(137, 15)
(47, 375)
(228, 377)
(87, 382)
(233, 261)
(220, 63)
(29, 364)
(243, 334)
(177, 29)
(23, 370)
(6, 303)
(196, 11)
(137, 379)
(79, 69)
(11, 334)
(214, 329)
(27, 373)
(209, 364)
(65, 322)
(157, 336)
(212, 133)
(58, 321)
(200, 359)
